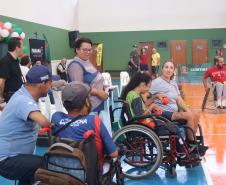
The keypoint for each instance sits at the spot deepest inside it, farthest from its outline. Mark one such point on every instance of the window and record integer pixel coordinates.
(217, 43)
(162, 45)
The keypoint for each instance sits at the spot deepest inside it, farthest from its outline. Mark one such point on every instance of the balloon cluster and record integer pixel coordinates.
(8, 30)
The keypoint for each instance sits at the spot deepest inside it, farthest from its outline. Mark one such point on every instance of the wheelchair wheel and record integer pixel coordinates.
(141, 151)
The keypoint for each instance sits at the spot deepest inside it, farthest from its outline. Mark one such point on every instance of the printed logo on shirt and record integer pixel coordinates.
(73, 124)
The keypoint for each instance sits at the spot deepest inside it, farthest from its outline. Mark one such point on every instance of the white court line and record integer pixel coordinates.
(207, 174)
(214, 134)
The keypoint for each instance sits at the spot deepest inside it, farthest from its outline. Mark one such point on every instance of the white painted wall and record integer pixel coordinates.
(135, 15)
(57, 13)
(119, 15)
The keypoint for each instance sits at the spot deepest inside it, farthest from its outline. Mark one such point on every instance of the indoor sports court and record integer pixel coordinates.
(128, 37)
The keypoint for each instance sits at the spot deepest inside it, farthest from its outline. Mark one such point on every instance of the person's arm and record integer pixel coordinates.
(39, 118)
(2, 87)
(182, 104)
(109, 145)
(76, 73)
(100, 93)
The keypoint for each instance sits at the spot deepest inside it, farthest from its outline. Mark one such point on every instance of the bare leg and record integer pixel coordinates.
(191, 121)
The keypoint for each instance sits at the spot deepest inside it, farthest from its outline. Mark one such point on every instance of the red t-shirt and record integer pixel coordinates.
(215, 74)
(144, 59)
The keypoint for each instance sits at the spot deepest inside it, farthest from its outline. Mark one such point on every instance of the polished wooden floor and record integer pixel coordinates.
(213, 122)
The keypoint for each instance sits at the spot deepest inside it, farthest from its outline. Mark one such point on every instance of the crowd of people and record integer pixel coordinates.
(22, 84)
(144, 61)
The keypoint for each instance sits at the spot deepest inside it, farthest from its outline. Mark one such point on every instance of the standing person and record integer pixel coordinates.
(155, 63)
(25, 65)
(10, 73)
(134, 60)
(143, 60)
(82, 70)
(61, 69)
(19, 128)
(217, 74)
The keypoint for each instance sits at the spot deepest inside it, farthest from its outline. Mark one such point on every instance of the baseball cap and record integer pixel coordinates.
(76, 92)
(38, 74)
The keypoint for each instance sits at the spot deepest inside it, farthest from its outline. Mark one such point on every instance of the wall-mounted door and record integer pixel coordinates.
(148, 46)
(178, 51)
(93, 58)
(199, 51)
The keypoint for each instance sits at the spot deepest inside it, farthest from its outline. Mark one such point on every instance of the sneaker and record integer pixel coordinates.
(219, 103)
(223, 103)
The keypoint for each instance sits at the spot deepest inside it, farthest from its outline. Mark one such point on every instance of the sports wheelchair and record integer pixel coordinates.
(143, 150)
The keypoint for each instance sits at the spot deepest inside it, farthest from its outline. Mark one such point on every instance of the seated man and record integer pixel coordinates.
(217, 74)
(75, 97)
(19, 128)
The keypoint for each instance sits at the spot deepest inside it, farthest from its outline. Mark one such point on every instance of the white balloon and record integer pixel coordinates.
(22, 35)
(4, 33)
(15, 34)
(8, 25)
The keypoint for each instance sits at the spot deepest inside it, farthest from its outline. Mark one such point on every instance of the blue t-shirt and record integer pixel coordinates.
(18, 134)
(76, 129)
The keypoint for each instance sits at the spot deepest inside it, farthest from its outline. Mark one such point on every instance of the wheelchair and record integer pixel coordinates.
(143, 149)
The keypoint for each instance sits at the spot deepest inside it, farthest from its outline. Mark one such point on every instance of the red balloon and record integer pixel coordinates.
(1, 24)
(165, 101)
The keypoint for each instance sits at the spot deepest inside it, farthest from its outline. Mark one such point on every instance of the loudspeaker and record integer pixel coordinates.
(73, 35)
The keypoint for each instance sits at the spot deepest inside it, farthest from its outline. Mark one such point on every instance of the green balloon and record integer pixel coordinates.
(18, 30)
(25, 49)
(14, 25)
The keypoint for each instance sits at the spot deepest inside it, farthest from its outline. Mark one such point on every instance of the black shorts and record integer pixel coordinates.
(167, 115)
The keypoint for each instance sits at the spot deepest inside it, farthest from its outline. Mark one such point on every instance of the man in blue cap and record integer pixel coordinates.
(19, 127)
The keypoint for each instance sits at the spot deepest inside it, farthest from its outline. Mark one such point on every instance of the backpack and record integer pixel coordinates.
(69, 162)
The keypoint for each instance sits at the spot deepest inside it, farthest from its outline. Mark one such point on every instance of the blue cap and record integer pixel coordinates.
(38, 74)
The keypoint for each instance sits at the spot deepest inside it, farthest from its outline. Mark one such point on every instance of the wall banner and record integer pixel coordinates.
(99, 54)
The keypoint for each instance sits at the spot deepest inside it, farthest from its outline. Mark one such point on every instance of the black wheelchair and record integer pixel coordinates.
(143, 150)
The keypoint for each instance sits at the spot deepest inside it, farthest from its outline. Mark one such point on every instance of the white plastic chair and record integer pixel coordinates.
(114, 88)
(124, 79)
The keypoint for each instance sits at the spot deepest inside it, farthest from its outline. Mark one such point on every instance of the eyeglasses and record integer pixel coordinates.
(86, 50)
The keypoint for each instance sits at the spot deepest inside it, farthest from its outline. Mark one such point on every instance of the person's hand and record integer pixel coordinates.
(206, 88)
(160, 96)
(102, 94)
(2, 100)
(157, 109)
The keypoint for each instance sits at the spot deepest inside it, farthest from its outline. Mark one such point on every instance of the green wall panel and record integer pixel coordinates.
(117, 45)
(57, 38)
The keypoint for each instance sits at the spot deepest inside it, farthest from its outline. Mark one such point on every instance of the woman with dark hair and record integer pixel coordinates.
(82, 70)
(140, 84)
(143, 59)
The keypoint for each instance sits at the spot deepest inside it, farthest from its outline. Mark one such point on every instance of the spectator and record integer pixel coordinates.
(134, 60)
(82, 70)
(61, 69)
(75, 97)
(155, 62)
(25, 65)
(143, 60)
(10, 73)
(217, 75)
(19, 128)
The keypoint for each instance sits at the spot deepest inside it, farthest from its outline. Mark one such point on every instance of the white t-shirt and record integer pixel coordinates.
(24, 70)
